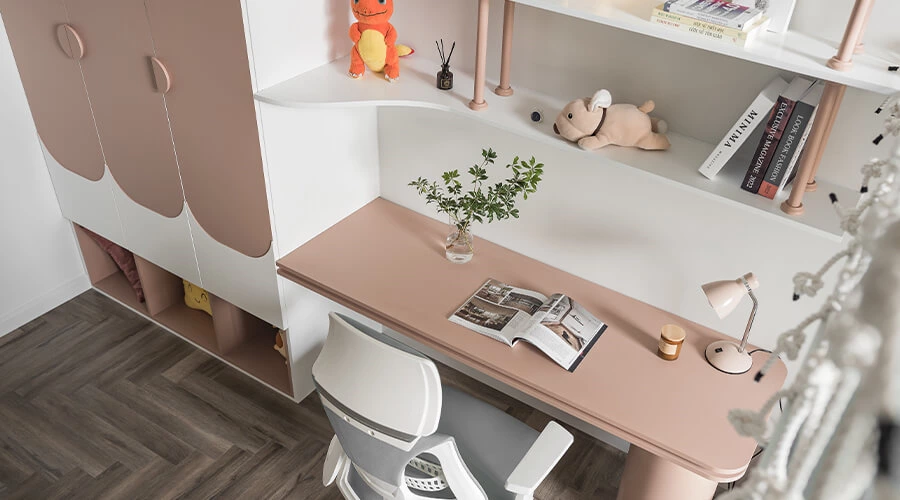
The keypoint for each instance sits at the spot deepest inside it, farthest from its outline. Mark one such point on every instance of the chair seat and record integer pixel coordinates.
(491, 442)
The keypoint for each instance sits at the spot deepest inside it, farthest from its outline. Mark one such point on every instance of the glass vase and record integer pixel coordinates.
(460, 244)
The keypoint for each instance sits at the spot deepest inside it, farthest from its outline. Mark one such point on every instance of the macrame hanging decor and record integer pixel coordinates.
(838, 436)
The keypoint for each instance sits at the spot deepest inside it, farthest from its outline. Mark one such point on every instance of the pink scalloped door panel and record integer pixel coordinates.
(53, 85)
(213, 117)
(130, 113)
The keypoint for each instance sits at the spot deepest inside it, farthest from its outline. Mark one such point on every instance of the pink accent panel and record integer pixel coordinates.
(646, 476)
(162, 289)
(676, 410)
(98, 263)
(214, 119)
(131, 117)
(53, 85)
(248, 342)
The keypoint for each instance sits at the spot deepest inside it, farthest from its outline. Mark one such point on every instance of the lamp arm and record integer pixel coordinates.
(752, 317)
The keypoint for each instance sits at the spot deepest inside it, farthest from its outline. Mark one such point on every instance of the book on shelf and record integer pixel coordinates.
(792, 141)
(746, 124)
(775, 126)
(718, 12)
(557, 325)
(710, 31)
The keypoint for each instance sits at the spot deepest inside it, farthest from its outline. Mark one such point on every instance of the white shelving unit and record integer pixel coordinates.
(330, 86)
(790, 51)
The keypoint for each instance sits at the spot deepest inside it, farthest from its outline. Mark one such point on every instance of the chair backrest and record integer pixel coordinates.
(383, 398)
(375, 377)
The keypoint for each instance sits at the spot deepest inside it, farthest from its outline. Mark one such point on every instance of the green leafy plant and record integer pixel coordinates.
(483, 202)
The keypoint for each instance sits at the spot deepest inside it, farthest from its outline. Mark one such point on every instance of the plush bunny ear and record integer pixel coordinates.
(602, 99)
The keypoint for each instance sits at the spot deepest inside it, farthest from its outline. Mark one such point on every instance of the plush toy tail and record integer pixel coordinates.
(647, 107)
(403, 50)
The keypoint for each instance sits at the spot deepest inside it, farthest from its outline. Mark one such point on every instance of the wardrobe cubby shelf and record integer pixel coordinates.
(230, 334)
(329, 85)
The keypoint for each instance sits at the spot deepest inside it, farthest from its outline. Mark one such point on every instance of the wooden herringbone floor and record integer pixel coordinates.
(96, 402)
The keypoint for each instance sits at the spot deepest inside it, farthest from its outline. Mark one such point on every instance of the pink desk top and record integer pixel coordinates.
(387, 262)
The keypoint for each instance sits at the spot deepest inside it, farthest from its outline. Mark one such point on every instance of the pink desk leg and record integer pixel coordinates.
(478, 103)
(509, 15)
(852, 35)
(647, 476)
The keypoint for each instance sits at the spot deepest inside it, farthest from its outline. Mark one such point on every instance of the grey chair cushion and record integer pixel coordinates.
(491, 442)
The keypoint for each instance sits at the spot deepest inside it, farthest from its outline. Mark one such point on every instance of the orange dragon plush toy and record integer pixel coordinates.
(374, 39)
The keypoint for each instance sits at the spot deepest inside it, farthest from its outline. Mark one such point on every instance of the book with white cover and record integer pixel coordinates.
(757, 112)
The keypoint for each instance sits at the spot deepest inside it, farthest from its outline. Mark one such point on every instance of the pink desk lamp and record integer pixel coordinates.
(724, 296)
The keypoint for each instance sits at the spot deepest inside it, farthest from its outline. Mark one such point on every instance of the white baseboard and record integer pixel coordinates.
(44, 303)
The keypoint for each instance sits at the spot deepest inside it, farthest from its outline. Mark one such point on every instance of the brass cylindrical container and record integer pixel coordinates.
(670, 341)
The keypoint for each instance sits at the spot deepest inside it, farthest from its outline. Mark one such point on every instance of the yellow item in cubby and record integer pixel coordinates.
(279, 344)
(196, 297)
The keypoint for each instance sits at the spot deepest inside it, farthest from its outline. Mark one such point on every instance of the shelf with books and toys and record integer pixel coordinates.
(329, 86)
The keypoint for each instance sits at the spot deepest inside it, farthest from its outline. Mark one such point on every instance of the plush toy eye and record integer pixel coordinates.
(570, 116)
(356, 1)
(382, 2)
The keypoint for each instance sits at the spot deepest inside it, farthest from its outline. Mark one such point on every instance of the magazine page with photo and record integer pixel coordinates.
(499, 311)
(564, 330)
(558, 325)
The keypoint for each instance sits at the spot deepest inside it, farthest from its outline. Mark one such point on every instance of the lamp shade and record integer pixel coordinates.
(724, 296)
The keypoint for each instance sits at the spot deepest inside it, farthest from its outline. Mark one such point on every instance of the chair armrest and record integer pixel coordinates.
(540, 459)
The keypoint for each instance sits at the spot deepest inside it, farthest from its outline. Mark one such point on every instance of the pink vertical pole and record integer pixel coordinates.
(509, 15)
(860, 45)
(852, 35)
(812, 185)
(817, 139)
(478, 103)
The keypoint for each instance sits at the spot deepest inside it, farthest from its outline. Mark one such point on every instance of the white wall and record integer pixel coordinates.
(40, 267)
(615, 225)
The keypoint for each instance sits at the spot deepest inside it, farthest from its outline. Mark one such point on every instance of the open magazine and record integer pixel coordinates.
(557, 325)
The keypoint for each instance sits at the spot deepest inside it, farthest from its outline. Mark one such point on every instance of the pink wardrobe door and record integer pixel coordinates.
(130, 113)
(52, 81)
(202, 44)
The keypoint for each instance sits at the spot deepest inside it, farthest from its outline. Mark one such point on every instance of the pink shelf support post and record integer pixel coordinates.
(815, 144)
(812, 185)
(856, 26)
(478, 103)
(509, 16)
(860, 44)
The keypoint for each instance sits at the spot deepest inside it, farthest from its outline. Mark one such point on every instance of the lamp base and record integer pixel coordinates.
(725, 356)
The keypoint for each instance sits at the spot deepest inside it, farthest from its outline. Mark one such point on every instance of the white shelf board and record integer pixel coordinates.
(330, 85)
(791, 51)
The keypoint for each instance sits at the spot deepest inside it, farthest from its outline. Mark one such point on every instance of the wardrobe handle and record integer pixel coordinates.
(161, 76)
(70, 41)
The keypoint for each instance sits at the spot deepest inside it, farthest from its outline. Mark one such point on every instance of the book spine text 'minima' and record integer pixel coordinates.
(768, 144)
(746, 124)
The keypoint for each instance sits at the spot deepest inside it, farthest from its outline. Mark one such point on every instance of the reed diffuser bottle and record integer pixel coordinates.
(445, 76)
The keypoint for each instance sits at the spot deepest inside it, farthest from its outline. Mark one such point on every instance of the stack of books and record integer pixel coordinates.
(713, 19)
(768, 139)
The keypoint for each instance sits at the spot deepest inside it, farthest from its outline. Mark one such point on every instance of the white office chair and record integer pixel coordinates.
(400, 435)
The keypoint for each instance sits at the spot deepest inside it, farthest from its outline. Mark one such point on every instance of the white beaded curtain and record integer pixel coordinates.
(837, 438)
